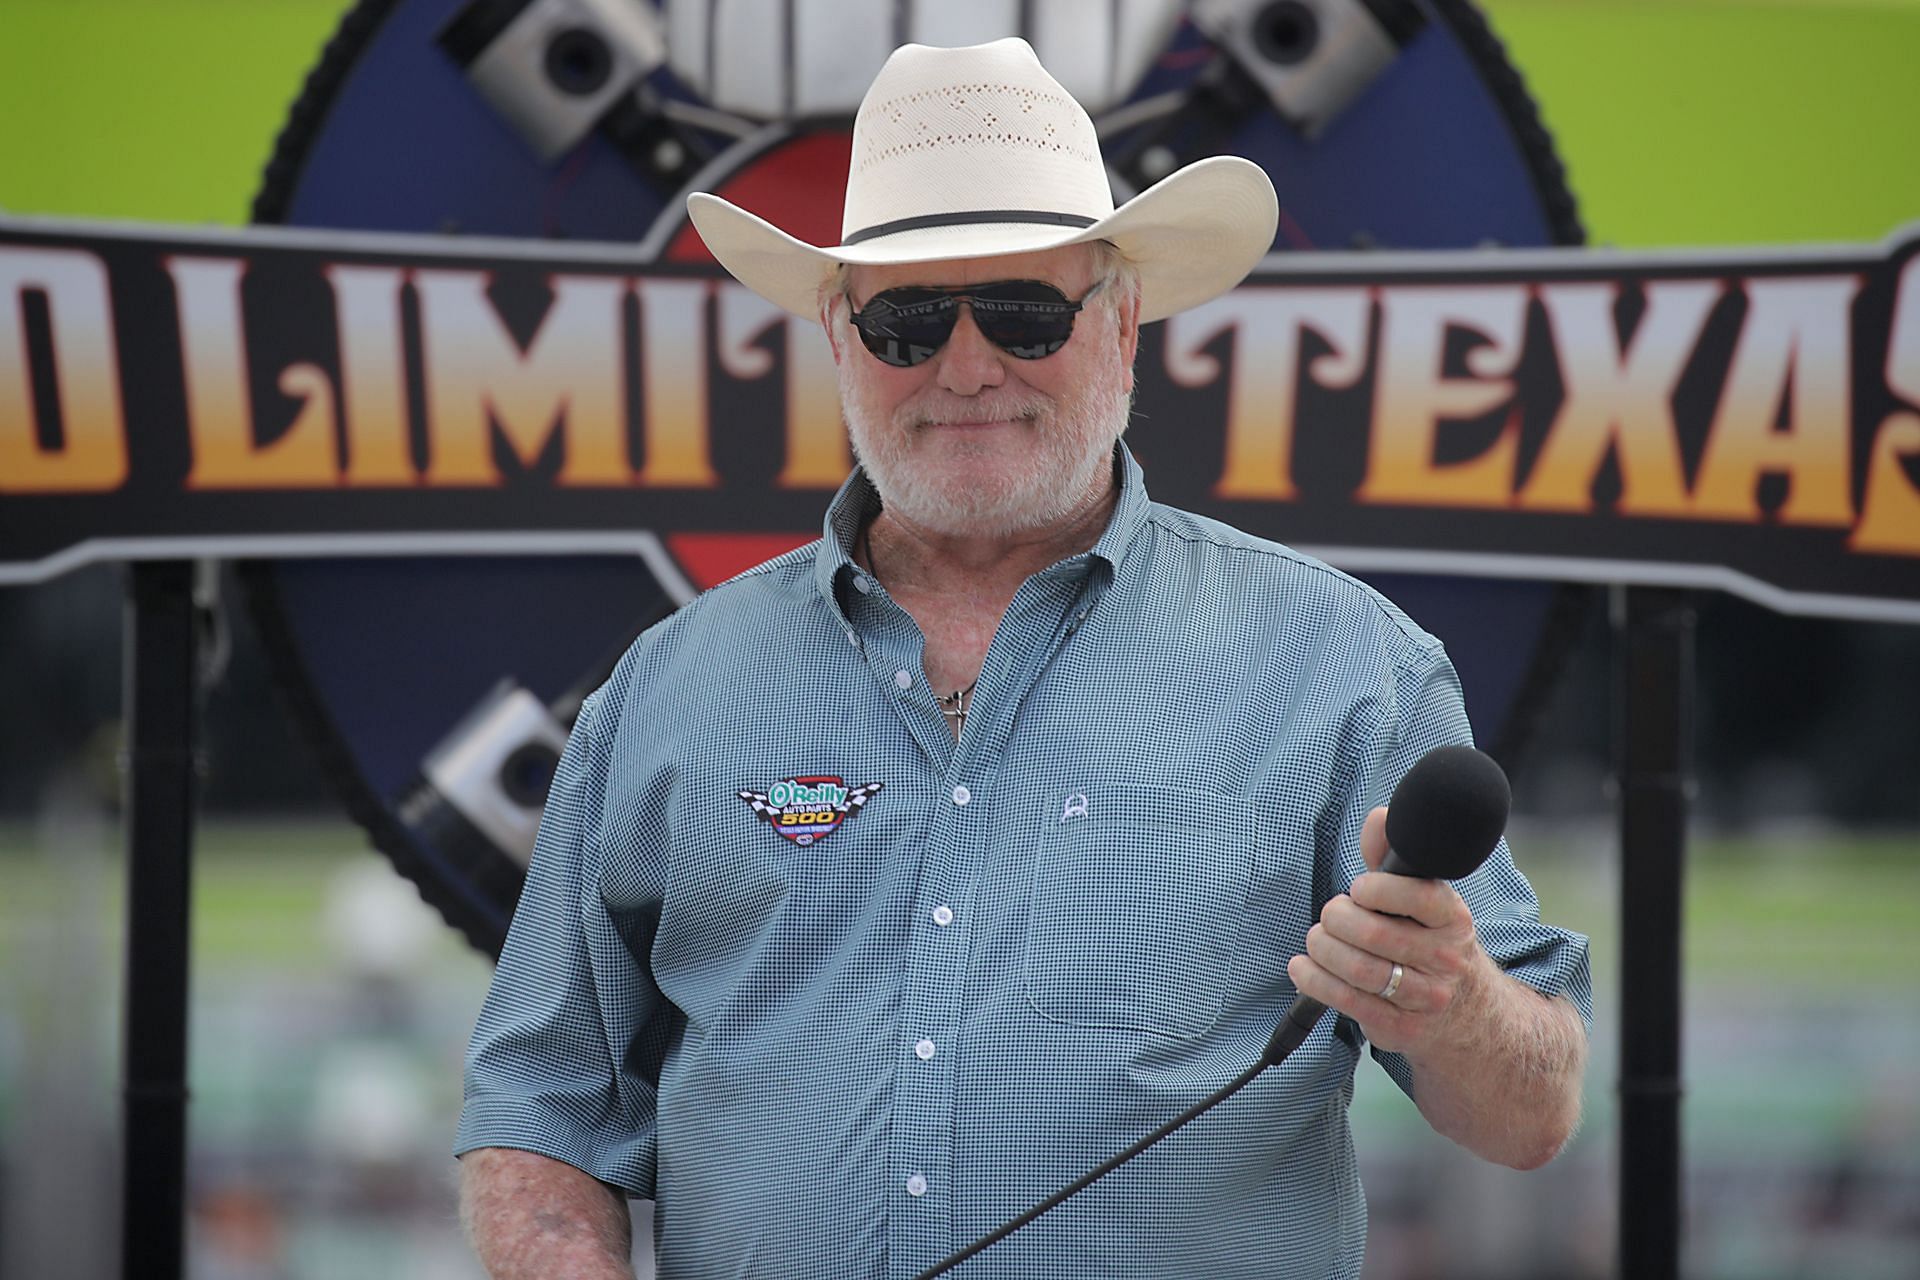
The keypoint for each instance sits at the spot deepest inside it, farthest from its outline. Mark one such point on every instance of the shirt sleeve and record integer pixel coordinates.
(563, 1059)
(1428, 712)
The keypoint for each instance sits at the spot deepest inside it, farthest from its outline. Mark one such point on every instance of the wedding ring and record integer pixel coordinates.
(1393, 983)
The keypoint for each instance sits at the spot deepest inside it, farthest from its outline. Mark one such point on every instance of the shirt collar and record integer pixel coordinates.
(858, 501)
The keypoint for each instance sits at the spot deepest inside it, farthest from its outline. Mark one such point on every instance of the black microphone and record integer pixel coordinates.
(1445, 817)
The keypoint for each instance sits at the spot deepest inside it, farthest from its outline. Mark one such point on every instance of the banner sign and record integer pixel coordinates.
(1748, 421)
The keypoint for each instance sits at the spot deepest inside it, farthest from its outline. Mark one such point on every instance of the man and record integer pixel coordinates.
(889, 887)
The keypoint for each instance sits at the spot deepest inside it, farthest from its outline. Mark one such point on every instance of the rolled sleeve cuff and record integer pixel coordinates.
(492, 1120)
(1550, 960)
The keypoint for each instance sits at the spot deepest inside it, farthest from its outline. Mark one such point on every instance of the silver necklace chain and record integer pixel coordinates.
(953, 706)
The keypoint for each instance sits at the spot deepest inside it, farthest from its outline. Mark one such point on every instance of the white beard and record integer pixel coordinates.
(1072, 440)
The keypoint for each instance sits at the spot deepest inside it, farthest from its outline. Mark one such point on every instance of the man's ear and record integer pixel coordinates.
(829, 311)
(833, 297)
(1129, 322)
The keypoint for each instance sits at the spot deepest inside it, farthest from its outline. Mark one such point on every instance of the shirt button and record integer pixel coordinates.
(862, 584)
(923, 1050)
(904, 679)
(853, 638)
(916, 1185)
(961, 795)
(943, 915)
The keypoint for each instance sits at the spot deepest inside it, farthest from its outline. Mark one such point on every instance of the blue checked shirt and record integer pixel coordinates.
(838, 1037)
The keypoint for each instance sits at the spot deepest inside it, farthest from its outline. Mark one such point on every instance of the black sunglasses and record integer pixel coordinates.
(1029, 319)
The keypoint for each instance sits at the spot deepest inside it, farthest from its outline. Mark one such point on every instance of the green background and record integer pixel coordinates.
(1681, 121)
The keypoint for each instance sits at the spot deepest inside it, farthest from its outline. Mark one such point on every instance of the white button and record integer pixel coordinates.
(923, 1050)
(904, 679)
(862, 584)
(943, 915)
(853, 639)
(961, 795)
(916, 1185)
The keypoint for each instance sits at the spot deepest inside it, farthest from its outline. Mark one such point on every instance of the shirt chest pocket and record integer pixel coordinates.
(1138, 896)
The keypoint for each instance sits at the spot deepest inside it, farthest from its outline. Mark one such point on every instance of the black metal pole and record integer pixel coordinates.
(1653, 700)
(159, 695)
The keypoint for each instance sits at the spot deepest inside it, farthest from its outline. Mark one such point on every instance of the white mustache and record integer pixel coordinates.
(972, 409)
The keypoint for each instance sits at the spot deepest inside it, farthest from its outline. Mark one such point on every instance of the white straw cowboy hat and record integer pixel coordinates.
(975, 152)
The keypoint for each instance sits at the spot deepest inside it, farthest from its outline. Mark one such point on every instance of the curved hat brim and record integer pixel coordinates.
(1193, 235)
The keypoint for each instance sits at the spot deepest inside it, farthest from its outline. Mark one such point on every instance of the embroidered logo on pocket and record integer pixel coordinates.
(810, 808)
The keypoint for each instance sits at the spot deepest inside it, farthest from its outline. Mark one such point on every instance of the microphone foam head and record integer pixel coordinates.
(1448, 813)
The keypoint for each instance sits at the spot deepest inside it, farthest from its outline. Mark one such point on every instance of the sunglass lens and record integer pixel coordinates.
(1027, 318)
(904, 327)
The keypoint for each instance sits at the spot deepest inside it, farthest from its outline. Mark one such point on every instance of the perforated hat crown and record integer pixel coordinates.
(976, 152)
(929, 150)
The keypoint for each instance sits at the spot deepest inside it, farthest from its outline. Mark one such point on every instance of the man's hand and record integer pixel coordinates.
(1497, 1067)
(1361, 936)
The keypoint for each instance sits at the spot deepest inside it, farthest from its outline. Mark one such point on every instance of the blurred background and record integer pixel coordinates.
(330, 1007)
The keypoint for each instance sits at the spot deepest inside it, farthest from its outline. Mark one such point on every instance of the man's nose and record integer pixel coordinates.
(969, 363)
